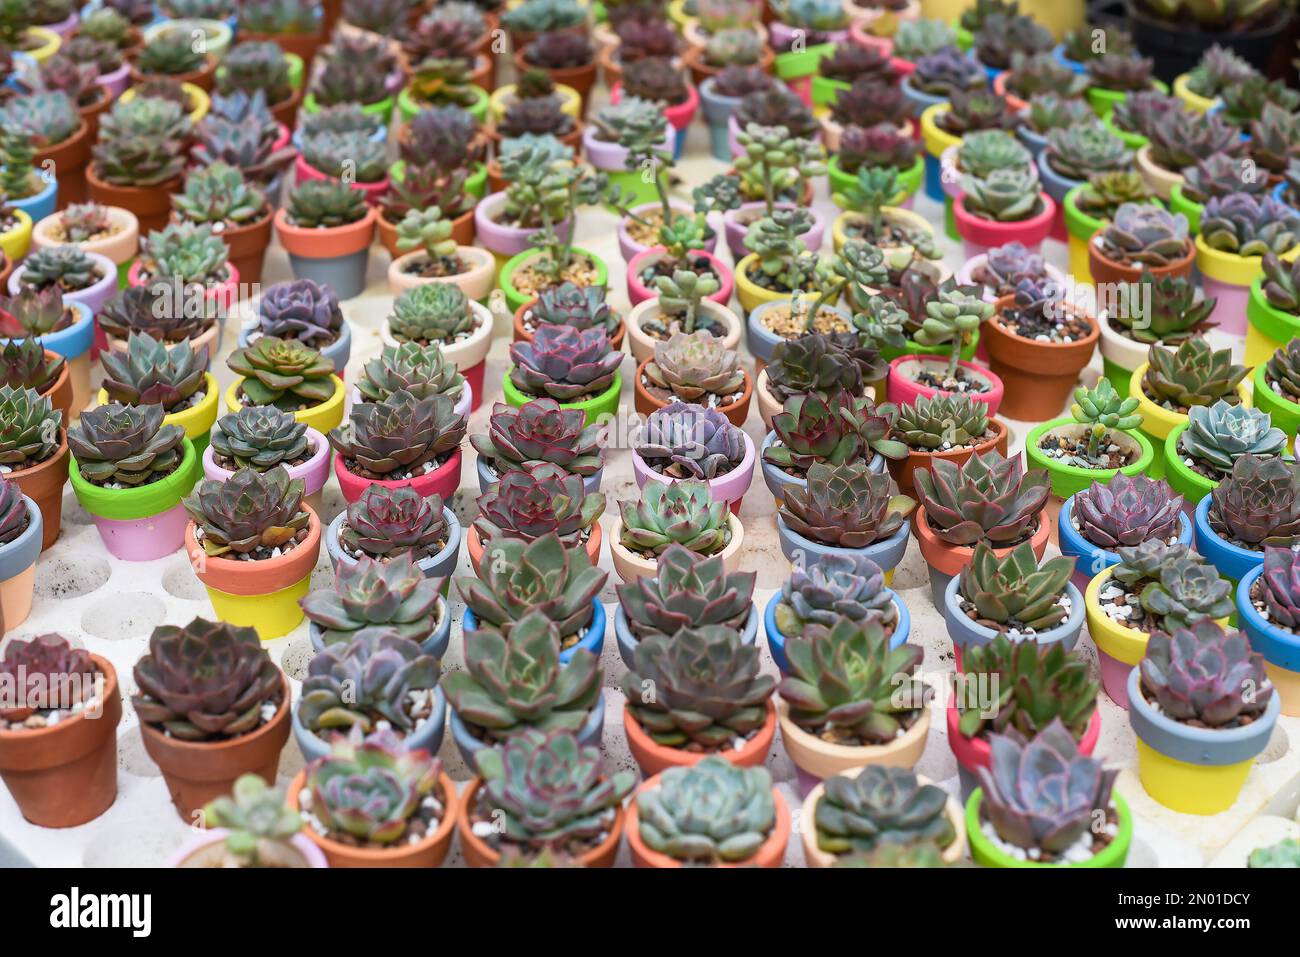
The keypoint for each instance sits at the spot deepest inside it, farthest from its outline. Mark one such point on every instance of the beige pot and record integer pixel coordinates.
(815, 857)
(207, 338)
(631, 566)
(1161, 181)
(822, 759)
(464, 354)
(643, 346)
(120, 247)
(476, 284)
(768, 407)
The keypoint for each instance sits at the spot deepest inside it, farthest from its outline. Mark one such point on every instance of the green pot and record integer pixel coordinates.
(383, 109)
(826, 91)
(965, 39)
(1070, 479)
(1284, 412)
(1178, 203)
(913, 348)
(1119, 377)
(636, 189)
(1268, 328)
(604, 404)
(475, 183)
(145, 501)
(1103, 101)
(1192, 486)
(800, 63)
(409, 107)
(910, 179)
(987, 854)
(1134, 141)
(515, 298)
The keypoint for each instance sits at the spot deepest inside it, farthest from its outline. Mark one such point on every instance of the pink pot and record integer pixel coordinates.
(303, 172)
(734, 230)
(464, 405)
(283, 140)
(679, 115)
(444, 480)
(629, 248)
(638, 292)
(1114, 677)
(860, 35)
(981, 235)
(972, 753)
(312, 854)
(1229, 313)
(65, 28)
(902, 389)
(144, 539)
(610, 157)
(730, 488)
(967, 270)
(315, 472)
(116, 82)
(505, 241)
(225, 296)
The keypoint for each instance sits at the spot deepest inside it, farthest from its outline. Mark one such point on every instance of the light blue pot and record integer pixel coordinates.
(1090, 560)
(42, 204)
(427, 737)
(1280, 648)
(777, 480)
(436, 644)
(886, 553)
(441, 565)
(966, 633)
(73, 341)
(776, 639)
(593, 640)
(627, 641)
(469, 745)
(1232, 561)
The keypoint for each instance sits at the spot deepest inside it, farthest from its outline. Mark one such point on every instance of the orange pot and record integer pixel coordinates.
(196, 772)
(903, 470)
(571, 139)
(286, 111)
(69, 160)
(1037, 377)
(462, 231)
(523, 335)
(203, 77)
(475, 545)
(92, 113)
(769, 855)
(429, 852)
(331, 243)
(701, 70)
(43, 484)
(66, 774)
(60, 394)
(654, 758)
(951, 559)
(736, 412)
(248, 246)
(579, 78)
(151, 204)
(478, 853)
(257, 578)
(1106, 271)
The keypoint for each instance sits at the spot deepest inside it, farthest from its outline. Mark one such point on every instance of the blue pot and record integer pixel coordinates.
(21, 554)
(762, 341)
(627, 641)
(679, 141)
(1059, 53)
(965, 633)
(1090, 560)
(427, 737)
(338, 351)
(346, 275)
(43, 203)
(73, 341)
(436, 644)
(1207, 747)
(1034, 142)
(486, 479)
(776, 640)
(886, 553)
(442, 565)
(1280, 648)
(1054, 184)
(717, 111)
(1232, 561)
(469, 745)
(919, 100)
(777, 480)
(593, 640)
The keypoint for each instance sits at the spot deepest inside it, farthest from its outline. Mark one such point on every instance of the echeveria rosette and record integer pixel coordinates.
(248, 512)
(810, 428)
(988, 498)
(1187, 591)
(421, 370)
(1258, 504)
(1205, 675)
(153, 373)
(367, 680)
(400, 434)
(1219, 434)
(836, 585)
(540, 431)
(682, 513)
(1128, 510)
(1015, 590)
(385, 522)
(260, 437)
(708, 812)
(542, 500)
(124, 444)
(392, 594)
(1025, 686)
(1279, 587)
(687, 441)
(283, 373)
(878, 807)
(302, 310)
(564, 363)
(40, 666)
(687, 590)
(845, 506)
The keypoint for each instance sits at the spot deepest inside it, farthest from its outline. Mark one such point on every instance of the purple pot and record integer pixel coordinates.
(117, 81)
(505, 241)
(1229, 313)
(730, 488)
(144, 539)
(64, 28)
(92, 298)
(314, 472)
(630, 248)
(610, 157)
(735, 229)
(783, 34)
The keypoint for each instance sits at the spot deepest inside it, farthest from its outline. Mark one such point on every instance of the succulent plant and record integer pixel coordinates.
(1002, 36)
(1217, 435)
(206, 681)
(1218, 69)
(240, 130)
(280, 17)
(1199, 673)
(1161, 309)
(152, 373)
(1245, 225)
(125, 446)
(870, 101)
(1102, 410)
(710, 812)
(392, 594)
(825, 363)
(564, 363)
(1281, 285)
(845, 506)
(946, 418)
(1195, 374)
(687, 441)
(1005, 195)
(141, 142)
(400, 436)
(983, 151)
(144, 310)
(1258, 504)
(733, 47)
(989, 498)
(1278, 588)
(681, 513)
(1006, 267)
(540, 431)
(283, 373)
(1142, 564)
(1187, 591)
(837, 585)
(325, 204)
(48, 119)
(1282, 372)
(364, 681)
(687, 591)
(261, 437)
(976, 109)
(1015, 591)
(810, 429)
(387, 522)
(252, 65)
(1043, 794)
(1180, 137)
(1032, 74)
(582, 307)
(44, 672)
(443, 137)
(875, 147)
(1129, 72)
(83, 221)
(1139, 112)
(248, 513)
(1104, 194)
(30, 427)
(847, 685)
(431, 312)
(1031, 685)
(550, 790)
(258, 825)
(219, 193)
(356, 67)
(1273, 139)
(345, 156)
(369, 789)
(947, 71)
(1245, 101)
(1077, 152)
(708, 691)
(694, 367)
(519, 577)
(542, 500)
(881, 807)
(24, 364)
(739, 81)
(510, 686)
(1285, 853)
(65, 268)
(777, 106)
(301, 310)
(1126, 511)
(917, 38)
(1051, 111)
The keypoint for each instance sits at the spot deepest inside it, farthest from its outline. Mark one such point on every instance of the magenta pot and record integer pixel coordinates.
(305, 172)
(630, 248)
(443, 480)
(980, 235)
(505, 241)
(730, 488)
(903, 389)
(735, 226)
(638, 292)
(315, 472)
(117, 81)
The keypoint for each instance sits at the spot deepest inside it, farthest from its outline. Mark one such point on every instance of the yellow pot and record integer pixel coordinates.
(271, 615)
(750, 294)
(50, 43)
(822, 759)
(894, 213)
(1193, 101)
(201, 100)
(1190, 788)
(1287, 684)
(935, 139)
(1059, 16)
(570, 101)
(1121, 643)
(17, 241)
(1231, 268)
(197, 421)
(1157, 421)
(1161, 181)
(323, 417)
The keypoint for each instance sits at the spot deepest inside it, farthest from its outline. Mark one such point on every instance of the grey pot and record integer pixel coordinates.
(777, 480)
(427, 737)
(919, 101)
(442, 565)
(1035, 142)
(717, 111)
(627, 641)
(800, 549)
(1054, 184)
(762, 342)
(1204, 746)
(588, 734)
(965, 633)
(21, 554)
(339, 351)
(486, 479)
(346, 275)
(436, 644)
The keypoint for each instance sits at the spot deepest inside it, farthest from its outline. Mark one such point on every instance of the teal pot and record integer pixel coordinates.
(966, 633)
(426, 737)
(778, 480)
(436, 644)
(627, 641)
(470, 744)
(18, 569)
(442, 565)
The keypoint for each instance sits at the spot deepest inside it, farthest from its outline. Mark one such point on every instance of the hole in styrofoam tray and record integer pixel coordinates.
(70, 575)
(179, 581)
(138, 843)
(296, 657)
(1278, 745)
(124, 615)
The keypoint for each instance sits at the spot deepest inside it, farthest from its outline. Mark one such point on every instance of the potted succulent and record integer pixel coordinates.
(385, 523)
(253, 543)
(951, 319)
(219, 196)
(1000, 271)
(1274, 392)
(828, 363)
(26, 364)
(1266, 611)
(869, 102)
(350, 157)
(845, 65)
(505, 222)
(569, 304)
(701, 670)
(579, 368)
(1034, 73)
(356, 67)
(30, 196)
(1142, 237)
(1235, 232)
(567, 58)
(249, 828)
(1125, 511)
(200, 743)
(441, 313)
(189, 258)
(1001, 36)
(555, 798)
(1116, 76)
(1179, 139)
(326, 227)
(441, 165)
(261, 65)
(1135, 117)
(139, 157)
(1161, 312)
(734, 47)
(1168, 384)
(240, 131)
(418, 369)
(635, 120)
(58, 134)
(39, 453)
(296, 26)
(1090, 207)
(639, 38)
(878, 147)
(681, 513)
(173, 54)
(1253, 506)
(536, 106)
(948, 121)
(65, 329)
(373, 803)
(686, 304)
(851, 699)
(1201, 452)
(1273, 312)
(978, 154)
(290, 376)
(1047, 112)
(58, 742)
(461, 32)
(1194, 751)
(658, 81)
(686, 591)
(305, 311)
(1011, 820)
(694, 368)
(1016, 685)
(688, 441)
(708, 814)
(721, 94)
(104, 230)
(160, 314)
(802, 33)
(945, 426)
(431, 254)
(88, 279)
(912, 40)
(262, 438)
(1155, 586)
(529, 504)
(1006, 206)
(536, 432)
(905, 237)
(1071, 156)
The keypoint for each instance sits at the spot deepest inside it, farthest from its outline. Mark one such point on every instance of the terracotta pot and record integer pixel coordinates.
(580, 78)
(103, 102)
(203, 77)
(478, 853)
(286, 111)
(701, 70)
(1107, 271)
(736, 412)
(198, 771)
(66, 774)
(462, 231)
(903, 470)
(150, 204)
(60, 393)
(769, 855)
(476, 547)
(947, 561)
(1037, 377)
(43, 484)
(69, 158)
(653, 758)
(521, 334)
(303, 45)
(429, 852)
